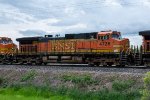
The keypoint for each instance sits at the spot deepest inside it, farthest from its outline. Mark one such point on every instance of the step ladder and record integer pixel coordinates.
(123, 59)
(137, 58)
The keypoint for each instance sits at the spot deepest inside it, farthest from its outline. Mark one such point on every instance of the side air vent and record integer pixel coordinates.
(48, 35)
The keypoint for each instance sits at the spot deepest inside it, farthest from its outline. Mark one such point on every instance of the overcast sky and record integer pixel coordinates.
(20, 18)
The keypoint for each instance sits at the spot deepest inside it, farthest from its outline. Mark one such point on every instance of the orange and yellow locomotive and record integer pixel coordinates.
(96, 48)
(7, 50)
(7, 47)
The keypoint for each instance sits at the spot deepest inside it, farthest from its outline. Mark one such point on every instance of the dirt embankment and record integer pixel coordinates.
(81, 79)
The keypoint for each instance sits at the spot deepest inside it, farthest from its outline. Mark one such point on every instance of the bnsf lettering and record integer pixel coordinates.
(61, 45)
(104, 43)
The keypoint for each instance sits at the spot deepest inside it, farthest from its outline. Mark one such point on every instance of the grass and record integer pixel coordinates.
(20, 97)
(30, 93)
(104, 95)
(63, 93)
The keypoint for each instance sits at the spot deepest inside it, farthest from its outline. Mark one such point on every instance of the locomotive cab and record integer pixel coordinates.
(146, 40)
(146, 47)
(28, 50)
(7, 50)
(7, 46)
(120, 44)
(112, 41)
(28, 45)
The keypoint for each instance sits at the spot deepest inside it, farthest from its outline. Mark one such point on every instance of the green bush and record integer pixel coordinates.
(80, 80)
(1, 81)
(146, 91)
(122, 85)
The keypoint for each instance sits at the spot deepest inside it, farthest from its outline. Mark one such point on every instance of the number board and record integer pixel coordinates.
(104, 44)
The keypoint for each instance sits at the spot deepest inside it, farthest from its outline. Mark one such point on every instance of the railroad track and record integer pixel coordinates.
(81, 67)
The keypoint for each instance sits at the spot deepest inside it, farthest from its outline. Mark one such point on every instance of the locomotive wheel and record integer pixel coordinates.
(104, 65)
(38, 63)
(109, 64)
(29, 63)
(45, 63)
(91, 65)
(4, 63)
(33, 63)
(122, 65)
(97, 64)
(147, 65)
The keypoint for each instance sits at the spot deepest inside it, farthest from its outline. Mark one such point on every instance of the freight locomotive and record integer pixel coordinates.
(104, 48)
(7, 48)
(145, 52)
(93, 48)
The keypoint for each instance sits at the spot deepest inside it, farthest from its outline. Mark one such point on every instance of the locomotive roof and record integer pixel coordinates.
(81, 35)
(147, 32)
(28, 38)
(40, 39)
(45, 39)
(110, 32)
(4, 38)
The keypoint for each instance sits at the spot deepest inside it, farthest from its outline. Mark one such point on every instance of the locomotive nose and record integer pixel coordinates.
(125, 44)
(6, 45)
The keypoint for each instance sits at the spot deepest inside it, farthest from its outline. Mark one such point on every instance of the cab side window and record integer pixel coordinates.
(1, 41)
(106, 37)
(116, 36)
(147, 37)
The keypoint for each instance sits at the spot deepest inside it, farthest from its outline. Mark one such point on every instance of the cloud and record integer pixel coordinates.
(10, 14)
(72, 16)
(32, 32)
(134, 38)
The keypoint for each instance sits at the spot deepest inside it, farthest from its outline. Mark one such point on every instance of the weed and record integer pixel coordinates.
(62, 90)
(28, 76)
(81, 80)
(146, 91)
(1, 80)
